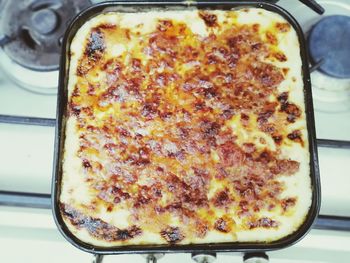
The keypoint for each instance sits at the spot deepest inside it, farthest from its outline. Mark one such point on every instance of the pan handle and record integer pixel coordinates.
(315, 66)
(314, 6)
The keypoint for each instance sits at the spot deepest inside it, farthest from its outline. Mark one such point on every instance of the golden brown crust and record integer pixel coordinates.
(155, 156)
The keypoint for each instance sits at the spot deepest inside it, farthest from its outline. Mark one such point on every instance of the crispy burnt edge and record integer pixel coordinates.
(172, 235)
(209, 18)
(94, 49)
(98, 228)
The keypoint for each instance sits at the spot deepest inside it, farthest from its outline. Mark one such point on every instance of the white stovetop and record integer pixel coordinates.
(26, 154)
(30, 235)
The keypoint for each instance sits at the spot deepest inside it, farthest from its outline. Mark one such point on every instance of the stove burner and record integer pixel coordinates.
(33, 29)
(44, 21)
(329, 40)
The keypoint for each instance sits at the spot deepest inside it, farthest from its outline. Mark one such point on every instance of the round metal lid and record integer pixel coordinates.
(33, 29)
(329, 40)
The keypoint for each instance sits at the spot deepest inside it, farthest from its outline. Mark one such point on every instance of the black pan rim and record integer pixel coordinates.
(191, 248)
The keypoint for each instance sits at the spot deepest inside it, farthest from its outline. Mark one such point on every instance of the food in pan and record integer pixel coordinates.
(185, 127)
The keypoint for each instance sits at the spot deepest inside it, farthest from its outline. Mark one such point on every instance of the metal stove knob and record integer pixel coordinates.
(258, 257)
(97, 258)
(204, 258)
(44, 21)
(153, 258)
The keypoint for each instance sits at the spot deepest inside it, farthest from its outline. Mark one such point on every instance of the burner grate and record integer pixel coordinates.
(32, 40)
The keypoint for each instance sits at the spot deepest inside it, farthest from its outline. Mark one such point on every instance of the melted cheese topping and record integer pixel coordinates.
(185, 127)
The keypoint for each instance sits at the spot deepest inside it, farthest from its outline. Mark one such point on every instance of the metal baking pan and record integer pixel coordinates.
(192, 248)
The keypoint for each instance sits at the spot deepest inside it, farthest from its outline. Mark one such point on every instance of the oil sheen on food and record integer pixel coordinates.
(185, 127)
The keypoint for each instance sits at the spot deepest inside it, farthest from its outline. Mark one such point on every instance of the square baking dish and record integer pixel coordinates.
(194, 248)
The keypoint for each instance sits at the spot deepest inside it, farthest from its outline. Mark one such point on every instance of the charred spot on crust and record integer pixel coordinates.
(119, 194)
(221, 173)
(149, 110)
(282, 27)
(97, 227)
(265, 157)
(164, 25)
(285, 71)
(267, 74)
(288, 202)
(267, 127)
(292, 110)
(201, 228)
(263, 222)
(172, 234)
(82, 70)
(162, 42)
(96, 44)
(230, 154)
(296, 136)
(147, 194)
(228, 113)
(280, 56)
(267, 111)
(86, 164)
(76, 91)
(74, 109)
(283, 97)
(140, 158)
(107, 26)
(136, 64)
(244, 117)
(93, 52)
(127, 33)
(222, 225)
(110, 148)
(249, 148)
(278, 139)
(256, 46)
(271, 38)
(287, 167)
(209, 19)
(209, 129)
(222, 198)
(235, 41)
(189, 193)
(256, 27)
(91, 90)
(129, 233)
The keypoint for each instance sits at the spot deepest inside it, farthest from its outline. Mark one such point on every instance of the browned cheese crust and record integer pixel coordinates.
(171, 140)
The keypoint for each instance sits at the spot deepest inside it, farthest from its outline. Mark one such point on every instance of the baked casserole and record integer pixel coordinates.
(185, 127)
